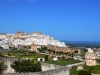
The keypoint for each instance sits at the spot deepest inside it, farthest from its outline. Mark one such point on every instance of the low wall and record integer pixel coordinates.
(60, 71)
(46, 66)
(8, 61)
(47, 69)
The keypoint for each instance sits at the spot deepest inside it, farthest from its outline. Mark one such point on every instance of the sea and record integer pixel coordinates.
(83, 44)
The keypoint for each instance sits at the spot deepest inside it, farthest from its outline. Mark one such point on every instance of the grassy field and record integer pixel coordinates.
(19, 54)
(95, 70)
(74, 72)
(62, 62)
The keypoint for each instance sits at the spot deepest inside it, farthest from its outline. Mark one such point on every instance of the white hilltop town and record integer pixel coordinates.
(21, 38)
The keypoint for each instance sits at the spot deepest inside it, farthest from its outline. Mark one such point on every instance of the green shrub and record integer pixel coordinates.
(46, 57)
(2, 66)
(63, 57)
(26, 66)
(1, 55)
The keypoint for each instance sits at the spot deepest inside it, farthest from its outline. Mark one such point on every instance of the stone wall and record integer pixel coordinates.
(8, 61)
(60, 71)
(47, 69)
(46, 66)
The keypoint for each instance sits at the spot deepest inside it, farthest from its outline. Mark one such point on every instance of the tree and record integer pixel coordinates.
(26, 66)
(53, 51)
(46, 57)
(71, 55)
(1, 55)
(85, 72)
(9, 54)
(98, 61)
(2, 66)
(49, 51)
(63, 57)
(37, 67)
(1, 47)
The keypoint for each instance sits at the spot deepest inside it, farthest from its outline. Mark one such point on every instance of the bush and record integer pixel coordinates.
(46, 57)
(85, 72)
(59, 58)
(63, 57)
(2, 66)
(9, 54)
(1, 47)
(26, 66)
(1, 55)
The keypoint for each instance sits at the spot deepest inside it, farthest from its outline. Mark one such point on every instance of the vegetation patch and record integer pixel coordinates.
(87, 69)
(63, 63)
(26, 66)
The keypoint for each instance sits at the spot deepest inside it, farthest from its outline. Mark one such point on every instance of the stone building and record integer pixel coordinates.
(97, 53)
(33, 47)
(80, 67)
(18, 35)
(65, 49)
(37, 33)
(90, 58)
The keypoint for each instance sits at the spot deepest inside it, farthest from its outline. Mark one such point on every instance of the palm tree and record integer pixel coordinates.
(2, 66)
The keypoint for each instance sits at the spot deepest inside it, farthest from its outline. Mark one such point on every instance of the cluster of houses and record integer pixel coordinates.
(24, 39)
(35, 41)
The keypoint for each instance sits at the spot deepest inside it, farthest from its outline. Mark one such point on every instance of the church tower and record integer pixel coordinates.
(90, 58)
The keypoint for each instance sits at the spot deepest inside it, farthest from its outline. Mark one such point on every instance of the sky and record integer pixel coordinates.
(68, 20)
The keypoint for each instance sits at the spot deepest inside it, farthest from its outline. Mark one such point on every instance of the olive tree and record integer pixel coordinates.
(2, 66)
(26, 66)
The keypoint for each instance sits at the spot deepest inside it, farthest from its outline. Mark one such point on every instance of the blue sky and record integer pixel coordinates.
(70, 20)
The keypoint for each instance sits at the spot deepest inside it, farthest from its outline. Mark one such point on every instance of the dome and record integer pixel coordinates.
(90, 50)
(90, 54)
